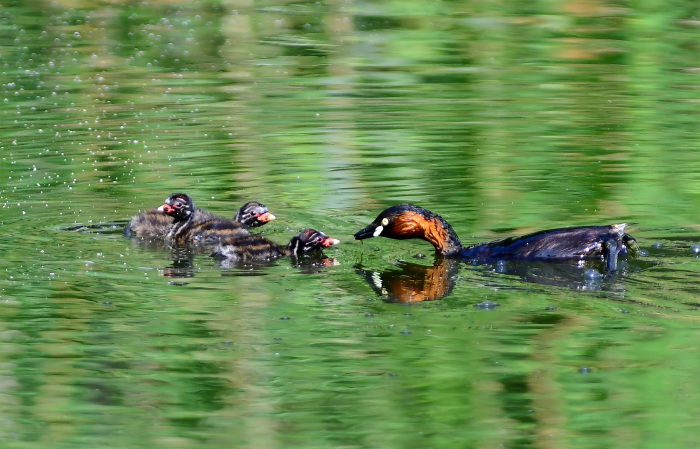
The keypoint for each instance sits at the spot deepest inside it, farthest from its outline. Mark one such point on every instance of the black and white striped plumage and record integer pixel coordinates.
(153, 223)
(188, 228)
(255, 248)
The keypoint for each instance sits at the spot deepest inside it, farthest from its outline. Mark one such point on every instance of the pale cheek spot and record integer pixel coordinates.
(378, 231)
(377, 280)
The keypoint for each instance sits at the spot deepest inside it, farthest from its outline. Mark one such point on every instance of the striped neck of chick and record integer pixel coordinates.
(192, 225)
(256, 248)
(180, 207)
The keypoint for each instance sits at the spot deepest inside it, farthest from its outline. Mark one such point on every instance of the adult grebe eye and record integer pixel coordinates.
(385, 221)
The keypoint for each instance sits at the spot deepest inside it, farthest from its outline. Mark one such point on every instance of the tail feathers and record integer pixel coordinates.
(619, 228)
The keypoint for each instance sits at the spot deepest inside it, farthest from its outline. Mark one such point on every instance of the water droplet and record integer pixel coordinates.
(592, 274)
(486, 305)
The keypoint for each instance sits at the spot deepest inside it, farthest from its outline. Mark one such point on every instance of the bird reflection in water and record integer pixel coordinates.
(306, 264)
(410, 282)
(588, 275)
(182, 265)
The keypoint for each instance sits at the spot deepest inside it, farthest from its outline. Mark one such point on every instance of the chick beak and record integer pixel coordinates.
(166, 208)
(264, 218)
(330, 241)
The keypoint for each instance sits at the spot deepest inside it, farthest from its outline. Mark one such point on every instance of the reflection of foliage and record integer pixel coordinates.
(556, 114)
(171, 36)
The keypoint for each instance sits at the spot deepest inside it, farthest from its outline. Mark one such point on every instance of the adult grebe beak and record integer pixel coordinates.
(369, 231)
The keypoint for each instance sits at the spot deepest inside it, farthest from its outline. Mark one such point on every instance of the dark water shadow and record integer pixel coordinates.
(584, 276)
(182, 262)
(310, 264)
(182, 259)
(410, 282)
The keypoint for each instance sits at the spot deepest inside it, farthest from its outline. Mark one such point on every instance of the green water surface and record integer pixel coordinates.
(503, 117)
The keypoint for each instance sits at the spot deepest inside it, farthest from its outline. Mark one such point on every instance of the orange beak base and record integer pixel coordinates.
(330, 241)
(266, 217)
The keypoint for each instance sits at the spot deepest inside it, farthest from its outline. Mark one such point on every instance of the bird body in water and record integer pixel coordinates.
(231, 241)
(256, 248)
(407, 221)
(153, 223)
(190, 227)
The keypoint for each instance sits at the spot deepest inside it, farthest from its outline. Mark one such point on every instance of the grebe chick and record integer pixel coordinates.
(153, 223)
(256, 248)
(188, 228)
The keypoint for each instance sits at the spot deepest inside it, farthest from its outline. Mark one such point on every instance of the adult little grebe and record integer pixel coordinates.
(256, 248)
(406, 221)
(188, 228)
(154, 223)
